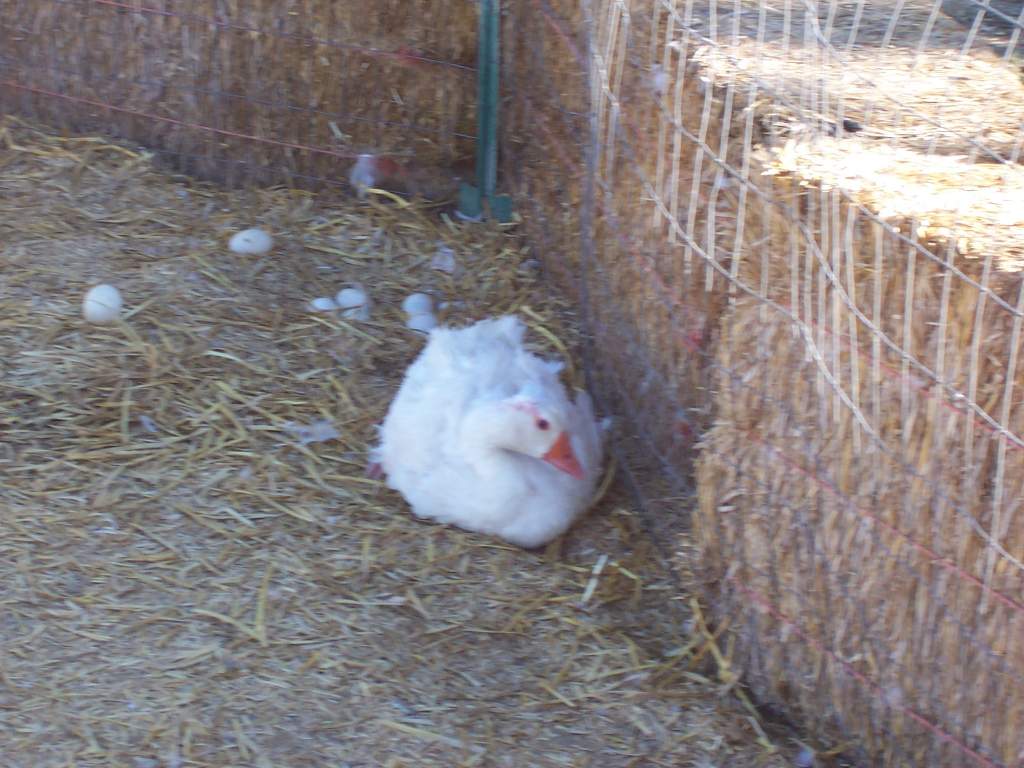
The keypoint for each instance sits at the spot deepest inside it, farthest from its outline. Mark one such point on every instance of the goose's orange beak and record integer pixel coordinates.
(562, 457)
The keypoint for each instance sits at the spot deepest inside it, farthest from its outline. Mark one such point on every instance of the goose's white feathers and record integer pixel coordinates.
(477, 433)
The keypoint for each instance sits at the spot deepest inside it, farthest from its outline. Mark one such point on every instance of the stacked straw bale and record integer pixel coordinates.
(330, 75)
(859, 521)
(861, 491)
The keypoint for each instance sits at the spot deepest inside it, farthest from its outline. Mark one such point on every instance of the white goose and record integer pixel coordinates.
(482, 435)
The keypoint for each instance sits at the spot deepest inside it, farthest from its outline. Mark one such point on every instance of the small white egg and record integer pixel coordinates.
(418, 304)
(354, 303)
(251, 241)
(323, 304)
(102, 304)
(422, 322)
(350, 298)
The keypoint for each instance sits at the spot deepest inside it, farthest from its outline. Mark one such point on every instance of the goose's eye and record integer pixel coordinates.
(542, 424)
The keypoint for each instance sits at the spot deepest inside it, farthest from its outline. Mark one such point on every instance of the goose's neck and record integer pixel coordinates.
(485, 434)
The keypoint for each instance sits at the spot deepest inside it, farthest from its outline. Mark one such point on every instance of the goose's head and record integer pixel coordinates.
(531, 424)
(539, 430)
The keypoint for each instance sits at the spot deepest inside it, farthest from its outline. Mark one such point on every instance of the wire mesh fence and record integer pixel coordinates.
(795, 234)
(799, 226)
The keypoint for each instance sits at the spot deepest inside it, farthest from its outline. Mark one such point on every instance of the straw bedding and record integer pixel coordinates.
(190, 582)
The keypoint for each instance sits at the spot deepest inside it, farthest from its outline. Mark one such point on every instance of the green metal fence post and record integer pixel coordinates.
(476, 202)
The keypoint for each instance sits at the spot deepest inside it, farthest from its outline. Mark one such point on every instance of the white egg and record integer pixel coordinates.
(422, 322)
(418, 304)
(322, 304)
(354, 303)
(102, 304)
(252, 241)
(350, 298)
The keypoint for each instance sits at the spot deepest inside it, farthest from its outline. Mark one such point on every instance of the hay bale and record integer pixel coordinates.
(314, 84)
(789, 477)
(880, 76)
(860, 493)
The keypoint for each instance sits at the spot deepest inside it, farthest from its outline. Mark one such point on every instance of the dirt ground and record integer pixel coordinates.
(189, 582)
